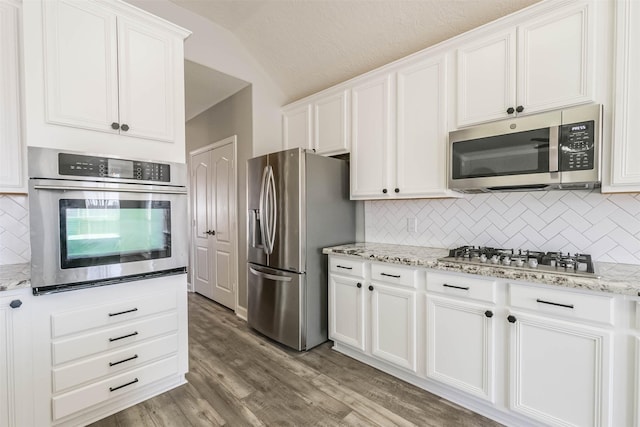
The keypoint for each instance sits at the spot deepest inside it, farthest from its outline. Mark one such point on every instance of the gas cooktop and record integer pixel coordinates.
(552, 262)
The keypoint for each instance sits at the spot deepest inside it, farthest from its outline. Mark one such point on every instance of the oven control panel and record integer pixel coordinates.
(105, 167)
(577, 146)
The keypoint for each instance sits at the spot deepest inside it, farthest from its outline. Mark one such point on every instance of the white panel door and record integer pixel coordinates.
(560, 371)
(393, 325)
(81, 75)
(371, 139)
(487, 78)
(296, 125)
(421, 129)
(12, 164)
(625, 173)
(201, 205)
(346, 311)
(461, 345)
(145, 64)
(555, 60)
(331, 119)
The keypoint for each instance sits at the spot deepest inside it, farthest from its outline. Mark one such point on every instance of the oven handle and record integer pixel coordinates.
(117, 190)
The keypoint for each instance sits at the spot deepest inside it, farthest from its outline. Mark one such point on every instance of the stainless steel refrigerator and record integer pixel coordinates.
(298, 203)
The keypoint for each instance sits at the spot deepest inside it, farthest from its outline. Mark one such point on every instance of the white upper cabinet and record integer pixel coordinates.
(331, 123)
(108, 68)
(371, 138)
(547, 62)
(625, 152)
(296, 127)
(12, 157)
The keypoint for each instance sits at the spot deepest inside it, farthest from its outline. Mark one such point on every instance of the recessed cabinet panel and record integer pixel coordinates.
(346, 311)
(460, 345)
(487, 78)
(555, 60)
(331, 124)
(370, 140)
(81, 75)
(296, 124)
(146, 81)
(560, 371)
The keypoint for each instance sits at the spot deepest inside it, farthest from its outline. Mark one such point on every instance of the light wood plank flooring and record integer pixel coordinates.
(239, 378)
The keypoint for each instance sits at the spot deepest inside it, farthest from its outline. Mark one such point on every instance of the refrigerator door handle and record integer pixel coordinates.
(274, 210)
(269, 276)
(262, 210)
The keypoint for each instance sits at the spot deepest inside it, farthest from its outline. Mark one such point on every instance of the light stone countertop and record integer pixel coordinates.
(15, 276)
(621, 279)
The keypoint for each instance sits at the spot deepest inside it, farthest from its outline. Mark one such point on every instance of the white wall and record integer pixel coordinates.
(605, 226)
(230, 117)
(215, 47)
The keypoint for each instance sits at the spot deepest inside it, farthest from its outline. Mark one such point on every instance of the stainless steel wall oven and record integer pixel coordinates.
(97, 220)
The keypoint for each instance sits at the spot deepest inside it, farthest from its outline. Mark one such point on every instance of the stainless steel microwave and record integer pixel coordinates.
(555, 150)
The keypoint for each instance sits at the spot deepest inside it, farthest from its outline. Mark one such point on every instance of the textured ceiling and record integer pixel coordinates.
(309, 45)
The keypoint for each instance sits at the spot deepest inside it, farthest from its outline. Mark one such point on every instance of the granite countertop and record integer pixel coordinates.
(15, 276)
(621, 279)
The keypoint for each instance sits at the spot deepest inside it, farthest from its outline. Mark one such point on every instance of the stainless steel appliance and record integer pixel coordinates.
(298, 203)
(552, 262)
(97, 220)
(554, 150)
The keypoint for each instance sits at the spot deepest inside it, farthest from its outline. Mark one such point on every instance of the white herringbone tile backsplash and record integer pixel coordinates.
(605, 226)
(14, 230)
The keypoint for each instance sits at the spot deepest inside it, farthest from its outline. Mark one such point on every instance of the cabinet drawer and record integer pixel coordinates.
(346, 266)
(113, 362)
(462, 286)
(574, 305)
(66, 350)
(108, 314)
(405, 276)
(114, 386)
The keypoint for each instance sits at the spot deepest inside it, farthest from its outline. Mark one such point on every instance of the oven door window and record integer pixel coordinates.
(518, 153)
(101, 231)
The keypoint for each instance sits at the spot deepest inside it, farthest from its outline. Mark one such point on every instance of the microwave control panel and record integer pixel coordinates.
(577, 146)
(104, 167)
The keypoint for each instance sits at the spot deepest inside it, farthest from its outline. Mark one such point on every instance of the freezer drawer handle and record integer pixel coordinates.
(112, 389)
(346, 268)
(270, 276)
(541, 301)
(395, 276)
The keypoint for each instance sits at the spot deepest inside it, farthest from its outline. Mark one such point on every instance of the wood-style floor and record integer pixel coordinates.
(239, 378)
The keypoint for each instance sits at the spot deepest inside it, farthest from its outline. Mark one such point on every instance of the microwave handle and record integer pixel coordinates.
(554, 149)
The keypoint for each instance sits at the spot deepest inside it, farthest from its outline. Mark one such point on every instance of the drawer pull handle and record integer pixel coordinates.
(464, 288)
(123, 312)
(346, 268)
(541, 301)
(122, 361)
(390, 275)
(123, 337)
(135, 380)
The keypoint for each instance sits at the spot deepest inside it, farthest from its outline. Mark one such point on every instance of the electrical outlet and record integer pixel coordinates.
(412, 225)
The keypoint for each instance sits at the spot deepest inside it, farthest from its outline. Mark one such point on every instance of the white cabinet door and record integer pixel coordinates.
(346, 311)
(625, 168)
(146, 81)
(371, 138)
(81, 74)
(461, 345)
(296, 126)
(393, 325)
(487, 78)
(331, 124)
(555, 60)
(15, 382)
(12, 157)
(560, 371)
(421, 168)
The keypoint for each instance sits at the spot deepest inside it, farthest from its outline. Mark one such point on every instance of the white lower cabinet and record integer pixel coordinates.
(522, 354)
(559, 371)
(99, 350)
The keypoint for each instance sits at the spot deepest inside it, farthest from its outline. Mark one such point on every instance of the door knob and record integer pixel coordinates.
(211, 232)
